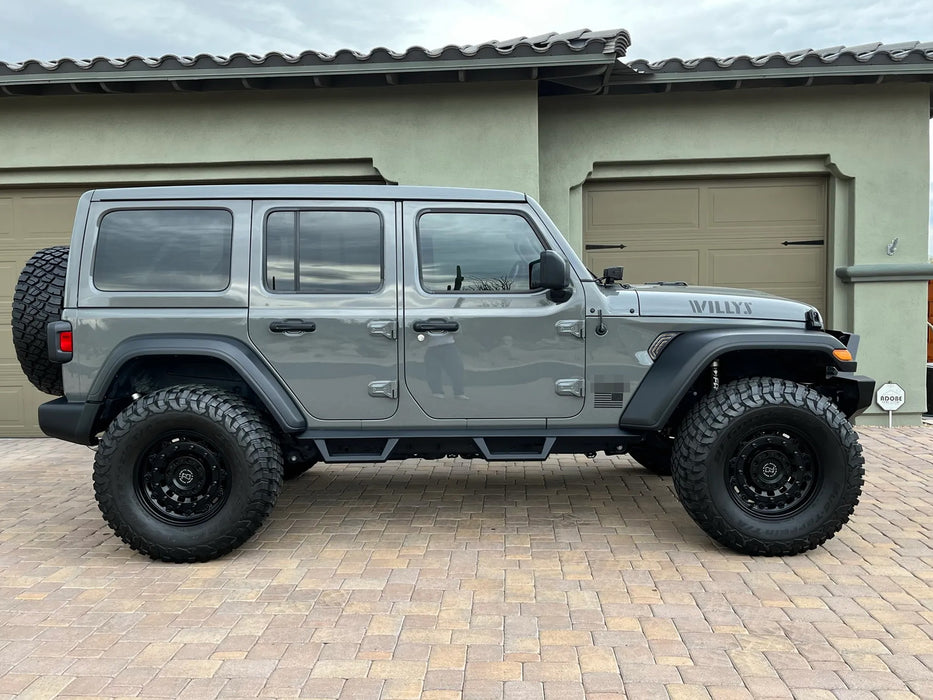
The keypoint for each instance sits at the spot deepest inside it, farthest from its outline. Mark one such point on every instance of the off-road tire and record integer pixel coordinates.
(656, 460)
(37, 301)
(768, 466)
(201, 437)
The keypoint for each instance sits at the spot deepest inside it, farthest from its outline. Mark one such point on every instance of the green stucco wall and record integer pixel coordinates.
(463, 135)
(872, 141)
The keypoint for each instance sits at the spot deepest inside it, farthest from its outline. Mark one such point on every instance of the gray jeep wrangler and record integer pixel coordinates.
(213, 340)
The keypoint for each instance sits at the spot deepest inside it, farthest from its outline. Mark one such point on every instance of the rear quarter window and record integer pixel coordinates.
(164, 250)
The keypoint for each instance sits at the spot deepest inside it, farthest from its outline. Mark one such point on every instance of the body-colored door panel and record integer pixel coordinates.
(323, 309)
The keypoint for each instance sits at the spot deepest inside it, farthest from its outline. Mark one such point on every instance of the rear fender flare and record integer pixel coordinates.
(235, 353)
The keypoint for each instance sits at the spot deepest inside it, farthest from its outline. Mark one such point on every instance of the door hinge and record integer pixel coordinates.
(383, 389)
(385, 328)
(574, 328)
(569, 387)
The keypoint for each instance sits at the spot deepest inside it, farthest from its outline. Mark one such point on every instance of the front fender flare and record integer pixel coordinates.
(691, 352)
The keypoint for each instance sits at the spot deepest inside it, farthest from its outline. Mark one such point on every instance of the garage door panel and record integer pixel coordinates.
(12, 408)
(10, 267)
(622, 210)
(753, 267)
(770, 237)
(45, 216)
(735, 242)
(7, 352)
(19, 403)
(652, 266)
(772, 206)
(6, 218)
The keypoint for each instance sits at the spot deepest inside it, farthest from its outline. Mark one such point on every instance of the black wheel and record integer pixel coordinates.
(768, 466)
(656, 458)
(37, 301)
(187, 473)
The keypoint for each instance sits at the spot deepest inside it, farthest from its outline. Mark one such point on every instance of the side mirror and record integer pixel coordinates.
(551, 271)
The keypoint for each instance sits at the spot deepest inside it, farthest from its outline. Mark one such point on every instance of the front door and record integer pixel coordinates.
(478, 342)
(323, 304)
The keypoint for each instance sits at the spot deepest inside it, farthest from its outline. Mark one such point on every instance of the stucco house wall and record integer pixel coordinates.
(468, 136)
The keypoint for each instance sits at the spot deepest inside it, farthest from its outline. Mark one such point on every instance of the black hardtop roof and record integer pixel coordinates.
(361, 192)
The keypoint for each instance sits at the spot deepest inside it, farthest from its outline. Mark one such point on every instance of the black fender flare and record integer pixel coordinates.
(691, 352)
(235, 353)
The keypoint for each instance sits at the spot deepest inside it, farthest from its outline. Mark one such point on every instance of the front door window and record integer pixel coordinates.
(475, 253)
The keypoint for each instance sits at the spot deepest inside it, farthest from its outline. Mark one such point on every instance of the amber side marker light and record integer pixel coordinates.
(842, 354)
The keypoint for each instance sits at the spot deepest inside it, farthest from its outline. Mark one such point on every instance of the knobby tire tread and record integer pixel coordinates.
(38, 300)
(253, 434)
(701, 429)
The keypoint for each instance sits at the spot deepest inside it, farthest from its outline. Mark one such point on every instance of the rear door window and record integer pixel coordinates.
(324, 252)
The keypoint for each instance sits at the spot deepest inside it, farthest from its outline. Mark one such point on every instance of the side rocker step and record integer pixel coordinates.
(507, 448)
(333, 450)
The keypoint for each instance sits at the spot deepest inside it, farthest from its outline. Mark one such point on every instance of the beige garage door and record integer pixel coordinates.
(29, 220)
(726, 233)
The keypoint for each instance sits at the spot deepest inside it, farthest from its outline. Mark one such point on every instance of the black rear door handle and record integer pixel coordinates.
(292, 325)
(435, 324)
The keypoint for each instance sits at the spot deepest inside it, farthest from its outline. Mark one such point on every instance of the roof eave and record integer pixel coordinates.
(564, 74)
(640, 81)
(776, 73)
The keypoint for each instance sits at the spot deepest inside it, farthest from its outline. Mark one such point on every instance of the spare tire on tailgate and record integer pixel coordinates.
(38, 300)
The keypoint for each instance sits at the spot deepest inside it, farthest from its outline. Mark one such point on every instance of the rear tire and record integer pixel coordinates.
(768, 466)
(187, 473)
(37, 301)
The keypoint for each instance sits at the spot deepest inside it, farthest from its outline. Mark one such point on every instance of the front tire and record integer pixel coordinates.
(768, 466)
(187, 473)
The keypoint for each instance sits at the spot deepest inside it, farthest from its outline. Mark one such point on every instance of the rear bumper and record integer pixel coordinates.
(72, 422)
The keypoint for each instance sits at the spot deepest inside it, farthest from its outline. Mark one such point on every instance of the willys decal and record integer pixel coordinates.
(721, 307)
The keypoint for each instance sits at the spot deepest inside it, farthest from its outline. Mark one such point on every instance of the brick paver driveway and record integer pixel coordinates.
(454, 579)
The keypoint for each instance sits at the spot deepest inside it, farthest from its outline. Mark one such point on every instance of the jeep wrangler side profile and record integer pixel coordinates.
(213, 340)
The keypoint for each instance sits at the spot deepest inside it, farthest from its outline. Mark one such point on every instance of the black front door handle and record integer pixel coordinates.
(435, 324)
(292, 325)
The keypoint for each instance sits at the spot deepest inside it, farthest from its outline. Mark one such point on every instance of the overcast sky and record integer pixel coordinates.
(51, 29)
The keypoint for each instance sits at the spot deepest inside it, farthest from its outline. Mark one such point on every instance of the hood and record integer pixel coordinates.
(717, 302)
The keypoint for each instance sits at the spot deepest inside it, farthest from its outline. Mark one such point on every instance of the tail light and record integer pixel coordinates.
(60, 341)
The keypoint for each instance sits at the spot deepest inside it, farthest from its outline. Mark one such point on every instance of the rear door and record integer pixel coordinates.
(323, 304)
